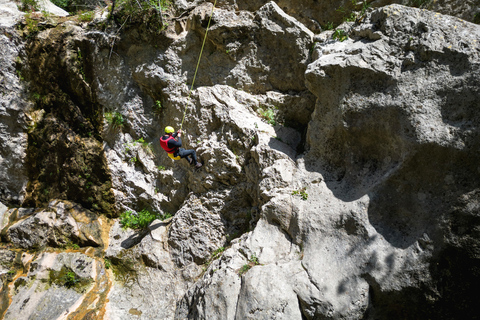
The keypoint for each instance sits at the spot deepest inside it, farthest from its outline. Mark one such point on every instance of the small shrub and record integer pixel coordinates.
(268, 115)
(340, 35)
(253, 259)
(70, 279)
(165, 4)
(302, 192)
(115, 119)
(328, 26)
(157, 108)
(217, 253)
(140, 220)
(108, 263)
(161, 168)
(165, 216)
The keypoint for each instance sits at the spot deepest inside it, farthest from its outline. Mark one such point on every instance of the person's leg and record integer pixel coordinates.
(185, 153)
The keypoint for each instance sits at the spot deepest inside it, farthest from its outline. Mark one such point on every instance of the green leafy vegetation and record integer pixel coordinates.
(161, 168)
(70, 279)
(140, 220)
(86, 16)
(107, 263)
(302, 192)
(328, 26)
(217, 253)
(147, 146)
(31, 24)
(114, 119)
(268, 114)
(253, 261)
(340, 35)
(157, 107)
(147, 12)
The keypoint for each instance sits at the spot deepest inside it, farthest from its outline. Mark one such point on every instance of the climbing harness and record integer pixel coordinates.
(173, 157)
(198, 63)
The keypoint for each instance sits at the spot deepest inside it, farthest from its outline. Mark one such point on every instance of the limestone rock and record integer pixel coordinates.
(61, 223)
(13, 106)
(48, 6)
(9, 13)
(144, 266)
(58, 285)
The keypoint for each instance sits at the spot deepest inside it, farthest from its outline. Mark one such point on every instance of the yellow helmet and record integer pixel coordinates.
(169, 129)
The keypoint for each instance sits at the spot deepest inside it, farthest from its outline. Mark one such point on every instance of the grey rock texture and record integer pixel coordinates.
(46, 293)
(340, 179)
(13, 119)
(61, 224)
(9, 14)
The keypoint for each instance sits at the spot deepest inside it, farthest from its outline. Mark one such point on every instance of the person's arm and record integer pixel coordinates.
(175, 143)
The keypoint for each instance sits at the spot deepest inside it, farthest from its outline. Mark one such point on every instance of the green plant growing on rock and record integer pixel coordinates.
(145, 145)
(114, 119)
(340, 35)
(302, 192)
(157, 107)
(86, 16)
(216, 254)
(70, 279)
(161, 168)
(253, 261)
(165, 216)
(140, 220)
(328, 26)
(268, 114)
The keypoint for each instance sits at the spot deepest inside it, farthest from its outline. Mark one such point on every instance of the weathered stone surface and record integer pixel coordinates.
(48, 6)
(355, 196)
(147, 283)
(9, 13)
(13, 106)
(62, 223)
(44, 292)
(393, 119)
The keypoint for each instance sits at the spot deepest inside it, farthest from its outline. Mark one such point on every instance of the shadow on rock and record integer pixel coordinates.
(417, 197)
(134, 239)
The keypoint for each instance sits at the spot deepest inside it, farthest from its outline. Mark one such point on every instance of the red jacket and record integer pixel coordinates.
(164, 144)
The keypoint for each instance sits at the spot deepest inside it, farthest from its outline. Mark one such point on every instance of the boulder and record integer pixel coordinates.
(62, 224)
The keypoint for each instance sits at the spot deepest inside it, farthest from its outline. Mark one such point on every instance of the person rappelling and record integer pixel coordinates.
(171, 142)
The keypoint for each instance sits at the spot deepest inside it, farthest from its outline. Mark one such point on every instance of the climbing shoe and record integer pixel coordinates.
(198, 165)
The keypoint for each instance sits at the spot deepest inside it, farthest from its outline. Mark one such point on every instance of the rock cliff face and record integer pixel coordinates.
(340, 178)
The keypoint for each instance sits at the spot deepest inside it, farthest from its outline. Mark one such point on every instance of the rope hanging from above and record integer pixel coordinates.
(198, 63)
